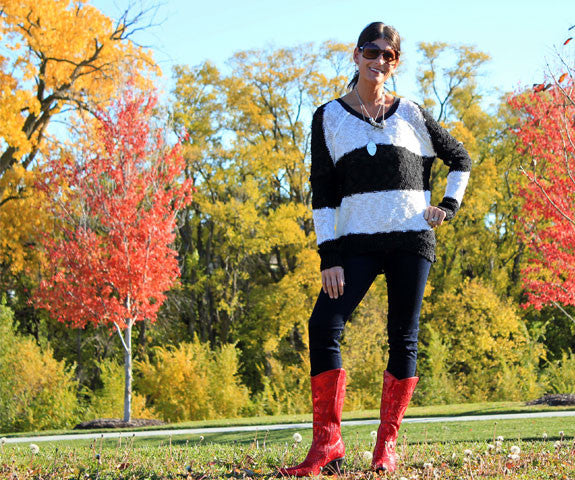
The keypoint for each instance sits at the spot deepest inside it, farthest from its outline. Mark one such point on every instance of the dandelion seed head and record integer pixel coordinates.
(544, 435)
(499, 438)
(34, 448)
(428, 466)
(297, 437)
(490, 447)
(498, 443)
(513, 457)
(201, 438)
(467, 452)
(557, 444)
(515, 450)
(561, 433)
(367, 456)
(373, 434)
(3, 440)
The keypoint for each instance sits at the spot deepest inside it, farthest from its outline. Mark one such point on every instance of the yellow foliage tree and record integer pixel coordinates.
(59, 53)
(251, 264)
(20, 225)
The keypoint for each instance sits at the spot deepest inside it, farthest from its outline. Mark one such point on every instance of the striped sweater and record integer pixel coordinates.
(363, 203)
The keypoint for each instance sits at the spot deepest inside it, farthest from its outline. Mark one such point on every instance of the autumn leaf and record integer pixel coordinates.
(563, 77)
(538, 87)
(567, 41)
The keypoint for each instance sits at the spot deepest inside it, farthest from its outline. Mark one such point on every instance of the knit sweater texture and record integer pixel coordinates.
(363, 203)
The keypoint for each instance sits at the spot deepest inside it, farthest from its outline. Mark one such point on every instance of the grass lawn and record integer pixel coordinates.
(484, 408)
(454, 450)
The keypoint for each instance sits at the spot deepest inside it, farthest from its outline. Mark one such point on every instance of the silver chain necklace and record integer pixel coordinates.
(371, 119)
(371, 146)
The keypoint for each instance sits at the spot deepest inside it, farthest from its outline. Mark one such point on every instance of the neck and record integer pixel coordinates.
(371, 93)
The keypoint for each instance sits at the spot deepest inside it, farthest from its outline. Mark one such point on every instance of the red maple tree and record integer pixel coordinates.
(546, 139)
(115, 206)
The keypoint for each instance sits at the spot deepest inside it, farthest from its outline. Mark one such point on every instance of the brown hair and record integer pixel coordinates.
(372, 32)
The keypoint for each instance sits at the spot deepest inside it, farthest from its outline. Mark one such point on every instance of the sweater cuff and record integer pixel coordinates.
(450, 206)
(330, 255)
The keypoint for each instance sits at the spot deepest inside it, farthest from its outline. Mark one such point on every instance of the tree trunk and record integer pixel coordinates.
(128, 372)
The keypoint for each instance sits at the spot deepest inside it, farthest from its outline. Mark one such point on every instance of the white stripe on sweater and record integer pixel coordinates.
(324, 224)
(388, 211)
(405, 128)
(456, 183)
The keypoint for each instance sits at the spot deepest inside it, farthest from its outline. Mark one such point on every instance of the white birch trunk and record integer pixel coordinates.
(128, 372)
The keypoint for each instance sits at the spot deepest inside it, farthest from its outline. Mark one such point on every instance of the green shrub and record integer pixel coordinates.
(36, 390)
(491, 353)
(191, 382)
(287, 389)
(437, 386)
(364, 349)
(108, 401)
(559, 376)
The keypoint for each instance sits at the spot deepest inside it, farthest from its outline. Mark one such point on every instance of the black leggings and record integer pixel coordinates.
(406, 274)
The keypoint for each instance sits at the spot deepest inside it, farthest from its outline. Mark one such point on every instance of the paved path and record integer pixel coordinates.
(263, 428)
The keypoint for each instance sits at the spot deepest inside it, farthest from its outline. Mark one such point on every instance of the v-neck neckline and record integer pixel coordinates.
(357, 114)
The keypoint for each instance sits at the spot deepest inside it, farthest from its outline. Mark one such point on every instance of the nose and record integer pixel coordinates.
(380, 59)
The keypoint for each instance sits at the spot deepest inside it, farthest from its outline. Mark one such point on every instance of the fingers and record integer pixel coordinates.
(434, 216)
(333, 281)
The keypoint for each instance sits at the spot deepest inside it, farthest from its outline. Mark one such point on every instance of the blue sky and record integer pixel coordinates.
(520, 36)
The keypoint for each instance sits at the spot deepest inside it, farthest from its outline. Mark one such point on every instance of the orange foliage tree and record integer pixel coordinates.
(546, 139)
(115, 207)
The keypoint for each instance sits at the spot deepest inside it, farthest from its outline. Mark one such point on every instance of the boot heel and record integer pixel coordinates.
(334, 467)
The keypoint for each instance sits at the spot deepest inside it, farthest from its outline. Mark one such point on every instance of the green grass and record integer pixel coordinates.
(413, 412)
(427, 450)
(257, 455)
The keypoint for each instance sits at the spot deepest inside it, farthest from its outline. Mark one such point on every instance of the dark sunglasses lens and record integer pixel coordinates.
(389, 56)
(371, 52)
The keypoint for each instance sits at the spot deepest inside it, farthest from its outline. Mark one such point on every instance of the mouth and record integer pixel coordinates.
(376, 70)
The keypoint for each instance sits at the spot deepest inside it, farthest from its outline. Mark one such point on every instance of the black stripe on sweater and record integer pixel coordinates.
(391, 168)
(448, 149)
(420, 242)
(323, 176)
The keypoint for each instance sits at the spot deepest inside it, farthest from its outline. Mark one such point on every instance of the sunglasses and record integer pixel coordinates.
(371, 51)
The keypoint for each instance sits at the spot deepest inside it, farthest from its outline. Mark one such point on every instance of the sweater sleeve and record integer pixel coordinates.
(325, 196)
(456, 158)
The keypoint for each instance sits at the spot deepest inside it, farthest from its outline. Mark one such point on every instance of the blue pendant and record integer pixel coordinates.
(371, 148)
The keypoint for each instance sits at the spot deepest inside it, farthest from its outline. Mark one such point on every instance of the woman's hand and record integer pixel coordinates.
(434, 216)
(332, 281)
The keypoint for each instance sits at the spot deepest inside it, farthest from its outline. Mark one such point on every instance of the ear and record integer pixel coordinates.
(356, 55)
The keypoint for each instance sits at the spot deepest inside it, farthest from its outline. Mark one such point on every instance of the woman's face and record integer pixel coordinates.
(375, 71)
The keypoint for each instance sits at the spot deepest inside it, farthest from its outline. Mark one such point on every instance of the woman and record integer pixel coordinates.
(371, 161)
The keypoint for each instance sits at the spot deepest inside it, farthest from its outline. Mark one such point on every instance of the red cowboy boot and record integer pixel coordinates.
(395, 398)
(327, 450)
